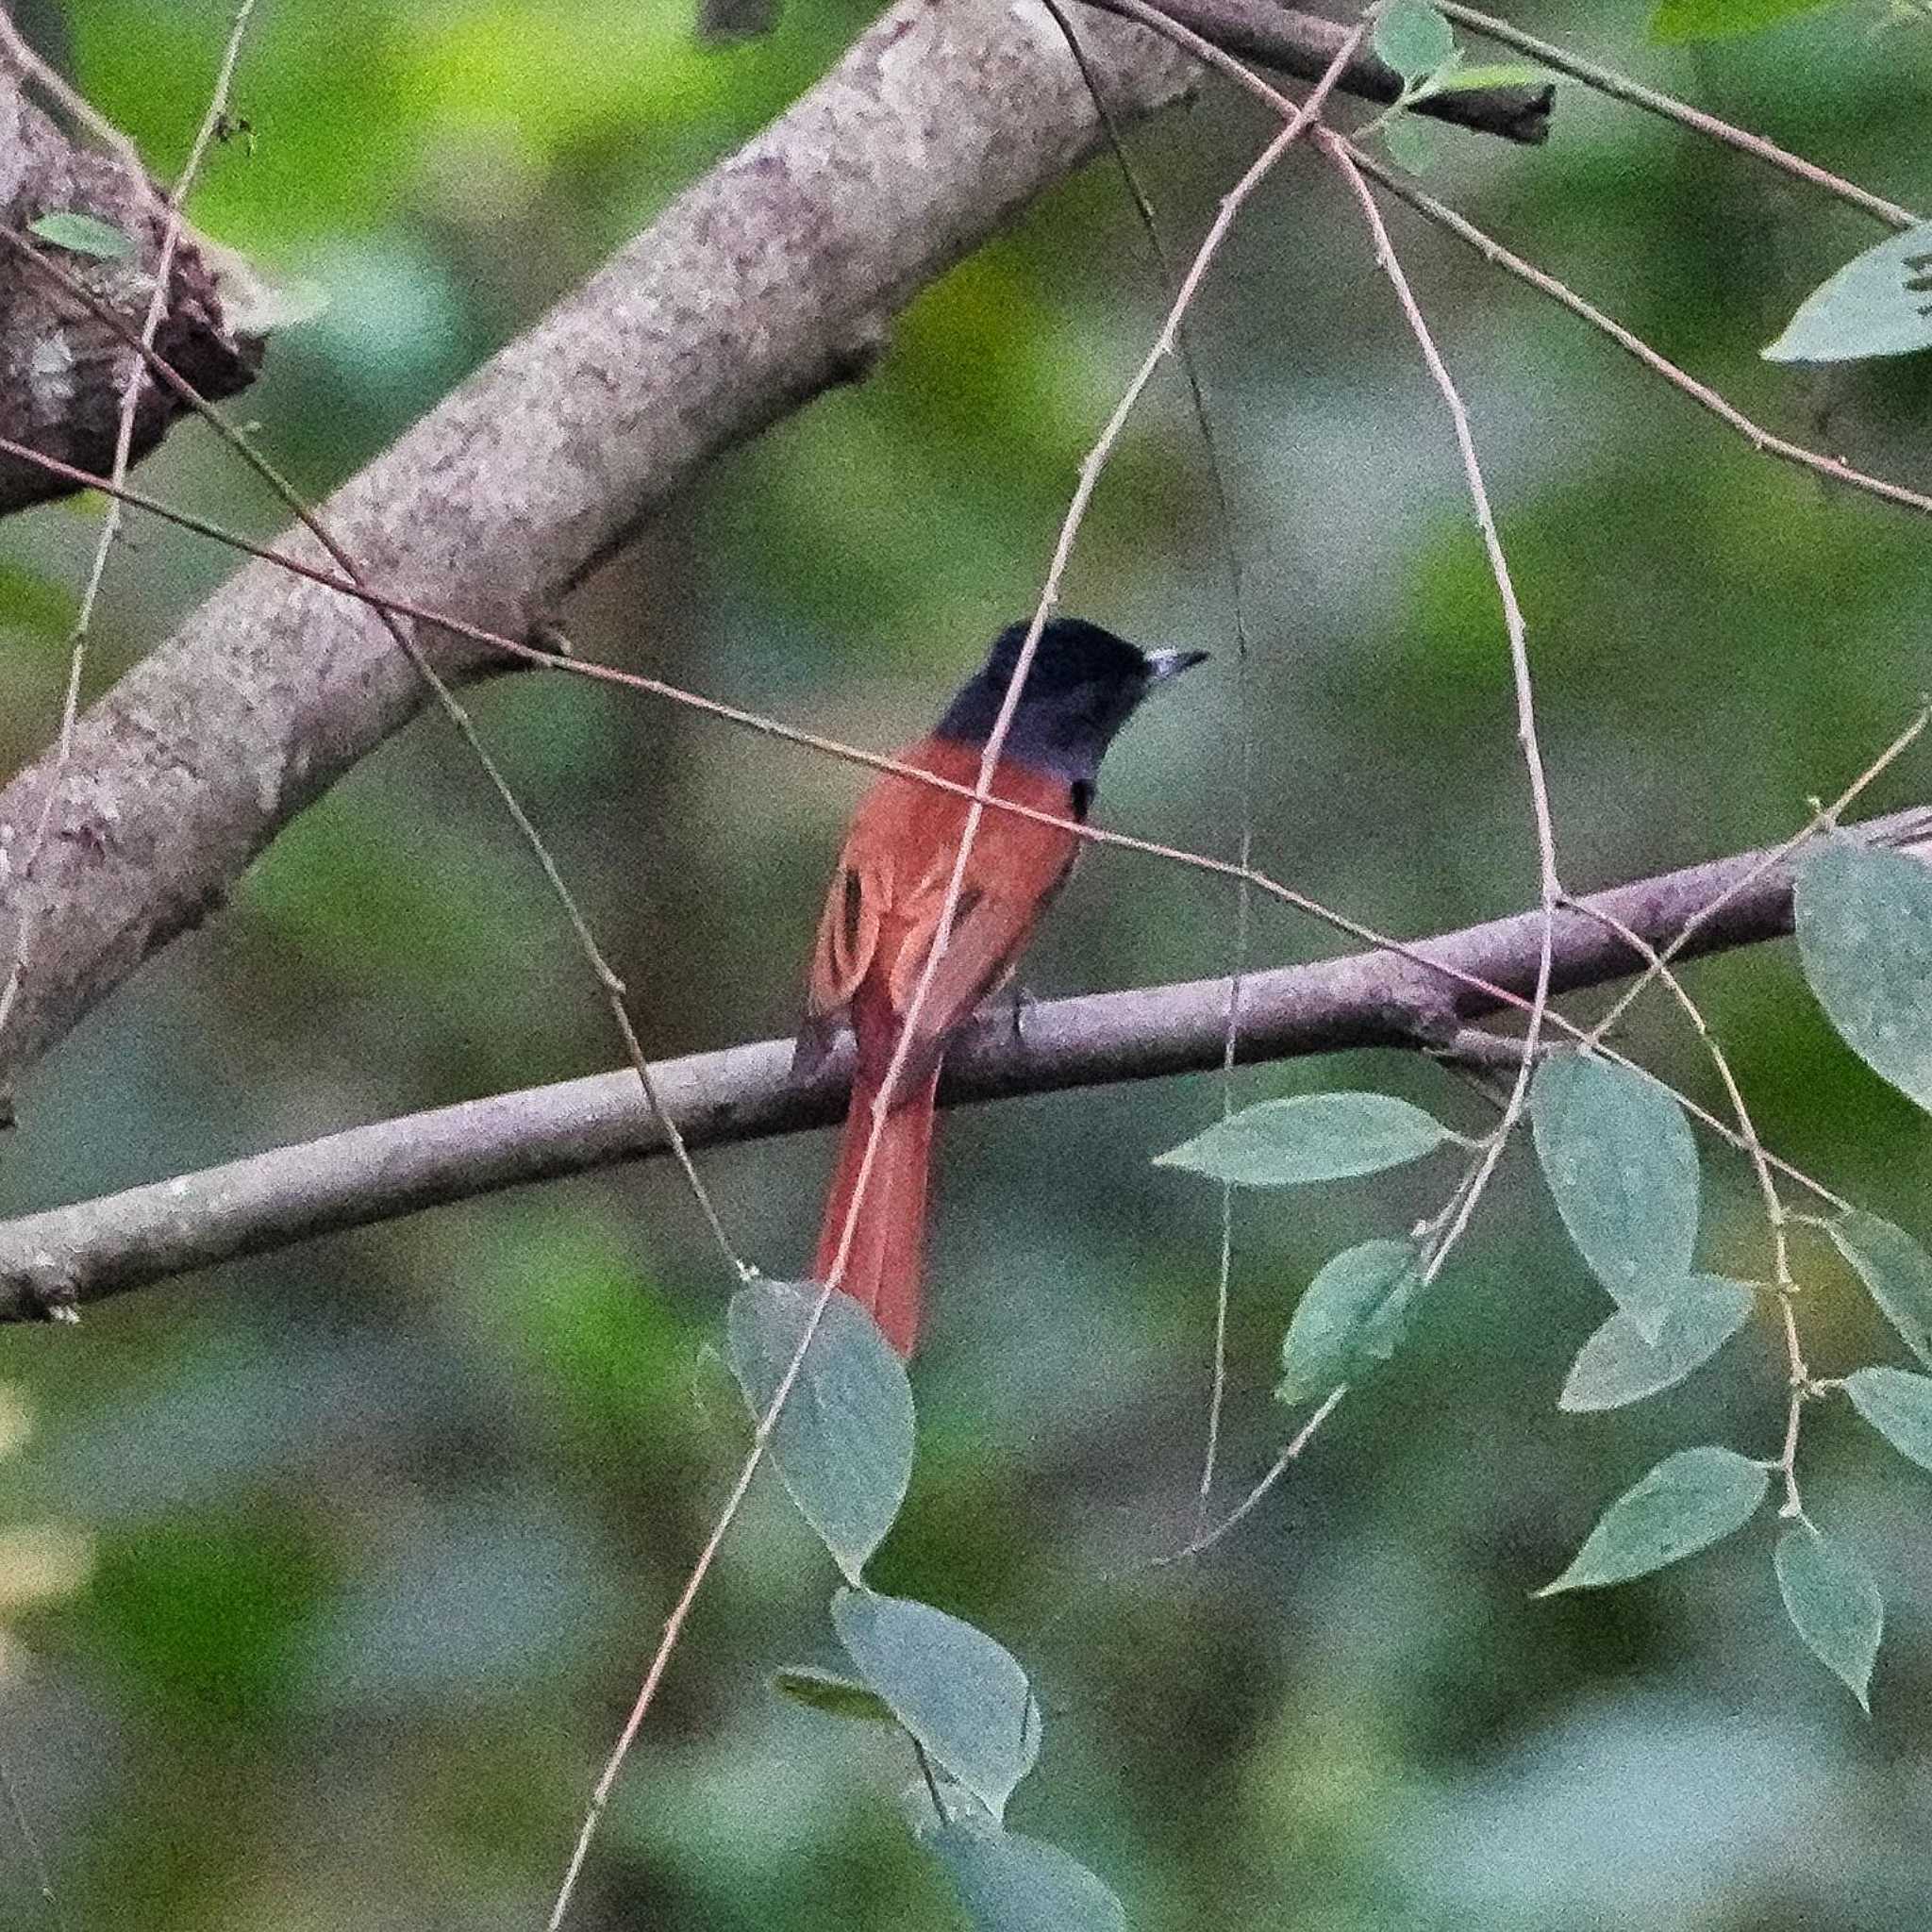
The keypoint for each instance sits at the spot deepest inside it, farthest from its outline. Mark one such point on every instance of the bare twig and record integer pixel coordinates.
(1822, 820)
(1766, 441)
(1620, 87)
(1551, 884)
(1429, 1011)
(1205, 1539)
(1302, 44)
(43, 1877)
(1245, 796)
(54, 83)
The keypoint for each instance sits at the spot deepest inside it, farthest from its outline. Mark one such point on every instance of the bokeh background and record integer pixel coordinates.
(326, 1578)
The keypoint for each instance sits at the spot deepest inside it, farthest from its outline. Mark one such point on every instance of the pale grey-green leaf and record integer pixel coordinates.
(1007, 1883)
(1864, 924)
(1411, 143)
(1687, 1503)
(83, 235)
(1413, 39)
(1833, 1604)
(1617, 1365)
(1878, 304)
(1352, 1319)
(1896, 1270)
(962, 1695)
(1617, 1153)
(1898, 1405)
(1311, 1137)
(843, 1440)
(837, 1696)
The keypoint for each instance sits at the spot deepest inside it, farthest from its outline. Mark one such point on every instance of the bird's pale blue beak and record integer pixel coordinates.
(1161, 665)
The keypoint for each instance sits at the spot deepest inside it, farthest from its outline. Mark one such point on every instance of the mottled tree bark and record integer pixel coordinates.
(768, 280)
(63, 369)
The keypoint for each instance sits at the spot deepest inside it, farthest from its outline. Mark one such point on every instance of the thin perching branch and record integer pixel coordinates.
(1551, 886)
(1420, 998)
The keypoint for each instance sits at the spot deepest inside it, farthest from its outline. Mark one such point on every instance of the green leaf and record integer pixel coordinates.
(1864, 924)
(1708, 20)
(1411, 143)
(1313, 1136)
(1898, 1405)
(1617, 1153)
(962, 1695)
(1413, 39)
(837, 1696)
(83, 235)
(1833, 1605)
(1352, 1317)
(1617, 1365)
(1878, 304)
(1897, 1270)
(1687, 1503)
(843, 1441)
(1007, 1883)
(1468, 79)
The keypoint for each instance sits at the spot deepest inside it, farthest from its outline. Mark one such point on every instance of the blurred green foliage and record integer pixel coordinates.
(383, 1527)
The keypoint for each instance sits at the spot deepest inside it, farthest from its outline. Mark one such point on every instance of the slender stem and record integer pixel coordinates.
(1551, 884)
(1823, 818)
(1620, 87)
(1204, 1541)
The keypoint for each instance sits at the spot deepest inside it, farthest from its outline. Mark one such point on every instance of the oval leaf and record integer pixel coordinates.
(1879, 304)
(1352, 1317)
(1479, 77)
(1898, 1405)
(1897, 1270)
(962, 1695)
(1413, 39)
(1617, 1365)
(1833, 1605)
(1864, 923)
(1617, 1153)
(83, 235)
(1007, 1883)
(1687, 1503)
(835, 1695)
(1411, 143)
(1313, 1137)
(843, 1440)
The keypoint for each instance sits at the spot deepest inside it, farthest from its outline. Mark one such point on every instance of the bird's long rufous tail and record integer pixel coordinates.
(888, 1252)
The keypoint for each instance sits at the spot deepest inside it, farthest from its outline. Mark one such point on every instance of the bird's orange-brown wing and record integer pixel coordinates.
(881, 916)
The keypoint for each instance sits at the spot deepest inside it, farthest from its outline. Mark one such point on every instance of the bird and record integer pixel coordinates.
(882, 913)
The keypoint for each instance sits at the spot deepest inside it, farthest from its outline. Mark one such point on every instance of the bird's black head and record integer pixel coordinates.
(1082, 685)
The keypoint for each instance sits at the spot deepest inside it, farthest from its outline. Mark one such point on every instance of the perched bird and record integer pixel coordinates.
(883, 913)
